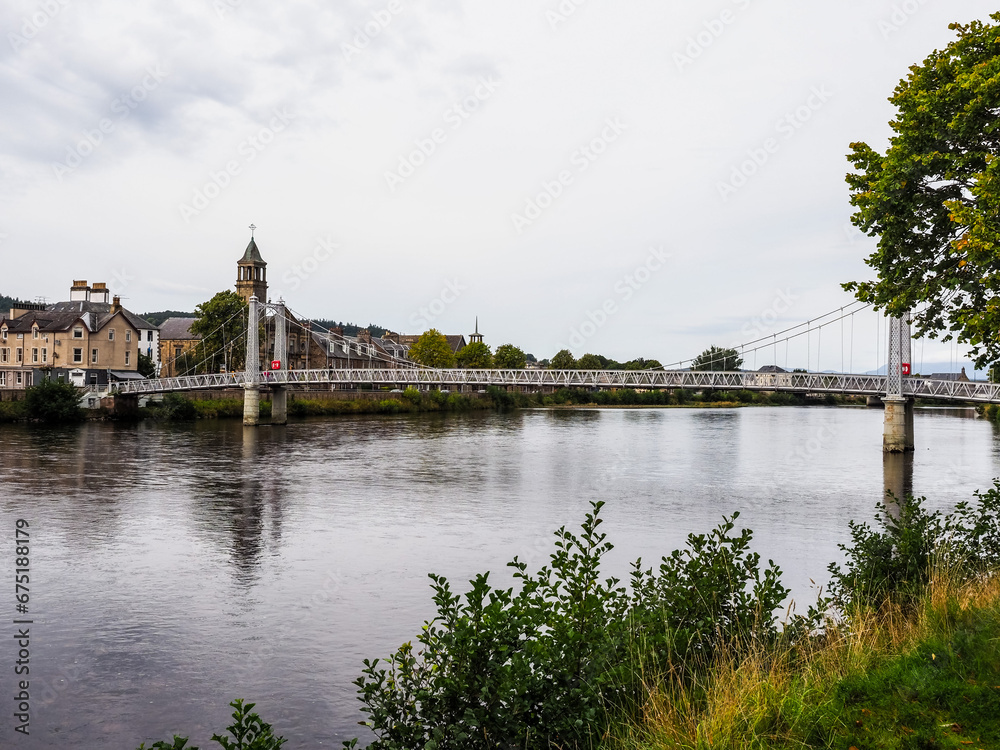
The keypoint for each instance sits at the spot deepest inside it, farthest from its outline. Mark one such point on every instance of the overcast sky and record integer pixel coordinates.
(627, 178)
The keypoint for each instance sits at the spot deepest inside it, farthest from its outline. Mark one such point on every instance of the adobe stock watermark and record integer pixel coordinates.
(901, 15)
(247, 151)
(552, 190)
(757, 326)
(624, 290)
(787, 127)
(304, 267)
(713, 29)
(224, 7)
(364, 35)
(425, 316)
(562, 12)
(121, 107)
(455, 116)
(31, 26)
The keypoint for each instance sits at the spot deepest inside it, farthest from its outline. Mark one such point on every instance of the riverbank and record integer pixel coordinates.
(332, 403)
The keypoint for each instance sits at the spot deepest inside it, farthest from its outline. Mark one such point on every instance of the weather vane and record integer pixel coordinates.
(252, 227)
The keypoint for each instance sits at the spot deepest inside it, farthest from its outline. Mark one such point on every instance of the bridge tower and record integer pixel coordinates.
(279, 396)
(897, 435)
(251, 380)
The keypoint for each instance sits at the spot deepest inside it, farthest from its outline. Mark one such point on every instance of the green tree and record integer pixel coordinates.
(563, 360)
(475, 355)
(592, 362)
(934, 197)
(221, 323)
(642, 364)
(432, 350)
(718, 360)
(52, 402)
(145, 366)
(509, 357)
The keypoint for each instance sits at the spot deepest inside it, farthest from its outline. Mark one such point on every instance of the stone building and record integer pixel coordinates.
(84, 347)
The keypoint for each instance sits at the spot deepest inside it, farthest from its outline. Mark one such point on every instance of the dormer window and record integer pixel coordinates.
(111, 334)
(78, 333)
(34, 332)
(3, 333)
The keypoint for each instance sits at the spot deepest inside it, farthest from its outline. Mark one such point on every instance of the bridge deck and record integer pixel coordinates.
(793, 382)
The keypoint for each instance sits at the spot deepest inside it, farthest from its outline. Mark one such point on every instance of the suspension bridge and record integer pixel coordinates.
(897, 388)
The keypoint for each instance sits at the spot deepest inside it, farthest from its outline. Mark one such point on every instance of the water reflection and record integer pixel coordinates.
(183, 564)
(897, 478)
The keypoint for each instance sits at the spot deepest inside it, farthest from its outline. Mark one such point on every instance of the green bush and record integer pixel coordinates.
(550, 665)
(894, 563)
(248, 732)
(53, 402)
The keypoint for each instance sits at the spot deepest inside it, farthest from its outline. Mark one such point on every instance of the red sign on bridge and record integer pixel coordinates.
(275, 364)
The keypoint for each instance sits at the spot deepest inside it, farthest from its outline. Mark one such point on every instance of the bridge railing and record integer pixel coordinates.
(794, 382)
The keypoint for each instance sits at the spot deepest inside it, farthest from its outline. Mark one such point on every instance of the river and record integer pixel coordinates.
(175, 567)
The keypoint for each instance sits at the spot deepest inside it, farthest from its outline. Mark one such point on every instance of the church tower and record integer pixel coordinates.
(251, 273)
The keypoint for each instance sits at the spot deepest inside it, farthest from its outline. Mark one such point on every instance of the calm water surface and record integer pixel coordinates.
(176, 567)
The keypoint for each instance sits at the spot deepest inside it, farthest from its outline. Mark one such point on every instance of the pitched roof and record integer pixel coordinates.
(48, 320)
(103, 310)
(252, 254)
(174, 329)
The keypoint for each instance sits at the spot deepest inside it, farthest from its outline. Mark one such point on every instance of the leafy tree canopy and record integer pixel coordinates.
(221, 323)
(145, 366)
(509, 357)
(642, 364)
(475, 355)
(53, 402)
(592, 362)
(933, 199)
(563, 360)
(156, 318)
(717, 359)
(432, 350)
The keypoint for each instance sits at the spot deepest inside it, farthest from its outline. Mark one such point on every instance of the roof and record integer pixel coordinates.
(126, 375)
(252, 254)
(772, 368)
(49, 321)
(960, 376)
(103, 309)
(173, 329)
(455, 342)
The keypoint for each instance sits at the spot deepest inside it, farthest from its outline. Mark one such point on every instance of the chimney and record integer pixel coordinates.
(79, 292)
(99, 292)
(365, 335)
(116, 304)
(337, 330)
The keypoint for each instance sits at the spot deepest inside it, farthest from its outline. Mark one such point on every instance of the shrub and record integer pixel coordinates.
(894, 563)
(550, 665)
(53, 402)
(248, 732)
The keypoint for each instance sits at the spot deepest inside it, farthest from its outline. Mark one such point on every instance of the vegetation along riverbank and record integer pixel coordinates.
(59, 402)
(903, 651)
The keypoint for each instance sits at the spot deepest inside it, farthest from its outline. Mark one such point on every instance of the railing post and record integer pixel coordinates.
(897, 430)
(251, 374)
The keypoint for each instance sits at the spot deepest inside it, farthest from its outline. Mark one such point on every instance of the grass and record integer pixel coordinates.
(927, 677)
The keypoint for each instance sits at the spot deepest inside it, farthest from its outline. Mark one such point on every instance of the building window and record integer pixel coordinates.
(3, 379)
(5, 354)
(20, 379)
(34, 355)
(45, 355)
(78, 333)
(93, 356)
(3, 334)
(78, 355)
(34, 332)
(177, 352)
(20, 355)
(128, 358)
(111, 334)
(128, 337)
(149, 335)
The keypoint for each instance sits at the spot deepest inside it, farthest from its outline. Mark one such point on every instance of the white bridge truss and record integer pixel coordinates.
(797, 382)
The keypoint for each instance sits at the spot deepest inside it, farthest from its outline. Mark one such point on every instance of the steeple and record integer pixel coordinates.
(251, 272)
(477, 336)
